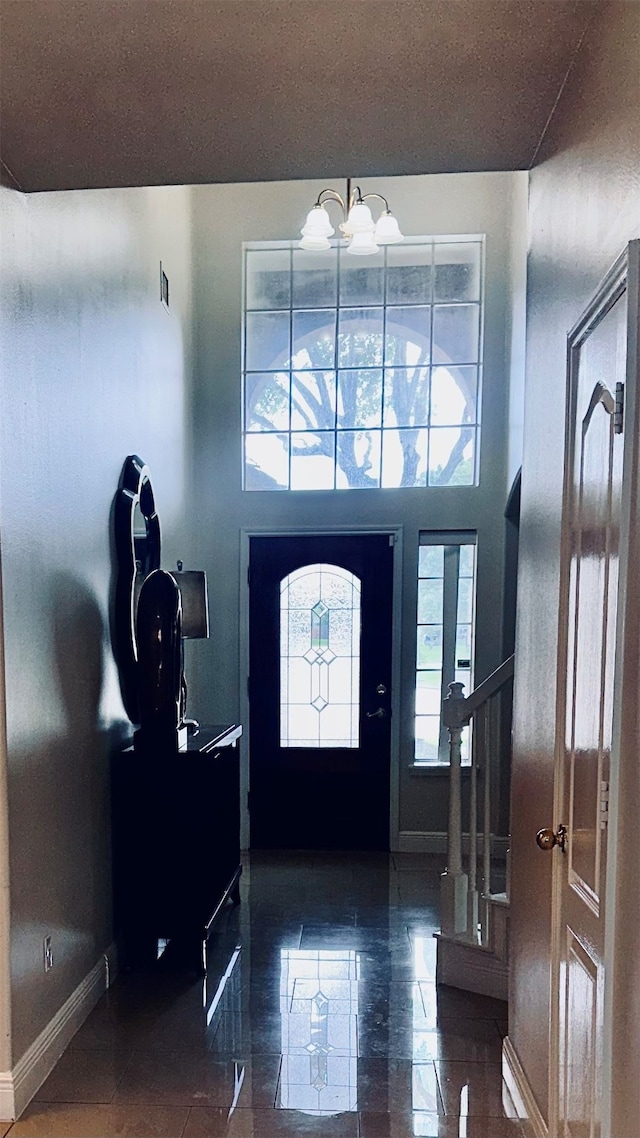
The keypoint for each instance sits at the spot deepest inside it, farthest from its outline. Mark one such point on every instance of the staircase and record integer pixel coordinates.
(473, 944)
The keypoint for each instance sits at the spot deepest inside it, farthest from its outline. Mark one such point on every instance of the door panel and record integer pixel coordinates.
(591, 543)
(320, 691)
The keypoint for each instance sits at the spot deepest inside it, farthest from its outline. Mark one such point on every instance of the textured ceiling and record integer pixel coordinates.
(147, 92)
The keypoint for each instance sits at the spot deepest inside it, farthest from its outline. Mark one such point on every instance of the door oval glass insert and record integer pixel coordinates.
(320, 657)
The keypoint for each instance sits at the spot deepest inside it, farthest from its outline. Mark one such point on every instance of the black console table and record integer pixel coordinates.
(176, 842)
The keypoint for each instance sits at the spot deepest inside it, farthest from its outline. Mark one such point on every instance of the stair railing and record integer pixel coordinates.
(464, 909)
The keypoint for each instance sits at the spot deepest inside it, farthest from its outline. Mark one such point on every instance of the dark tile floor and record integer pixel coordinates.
(319, 1015)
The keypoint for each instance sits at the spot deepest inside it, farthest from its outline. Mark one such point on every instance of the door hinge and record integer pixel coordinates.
(618, 414)
(249, 689)
(604, 805)
(392, 540)
(248, 802)
(249, 576)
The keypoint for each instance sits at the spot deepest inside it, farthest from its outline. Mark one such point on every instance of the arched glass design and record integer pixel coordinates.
(320, 658)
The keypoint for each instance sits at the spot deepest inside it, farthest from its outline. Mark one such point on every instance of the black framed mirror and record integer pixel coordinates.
(137, 545)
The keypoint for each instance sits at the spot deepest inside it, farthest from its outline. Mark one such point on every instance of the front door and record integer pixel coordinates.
(320, 615)
(587, 703)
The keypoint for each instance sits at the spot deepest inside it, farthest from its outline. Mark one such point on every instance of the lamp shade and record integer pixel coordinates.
(318, 223)
(359, 220)
(387, 231)
(195, 609)
(362, 245)
(315, 244)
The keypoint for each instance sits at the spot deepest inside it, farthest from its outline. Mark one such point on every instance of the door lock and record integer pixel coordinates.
(549, 838)
(379, 713)
(381, 689)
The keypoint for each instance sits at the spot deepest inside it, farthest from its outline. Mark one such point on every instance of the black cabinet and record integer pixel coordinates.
(176, 841)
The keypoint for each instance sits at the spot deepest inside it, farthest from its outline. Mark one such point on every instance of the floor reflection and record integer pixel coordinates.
(319, 1009)
(319, 1016)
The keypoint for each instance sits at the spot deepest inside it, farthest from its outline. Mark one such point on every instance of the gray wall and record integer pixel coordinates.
(584, 208)
(224, 217)
(93, 369)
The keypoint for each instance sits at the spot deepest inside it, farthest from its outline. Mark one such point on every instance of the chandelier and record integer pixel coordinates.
(364, 235)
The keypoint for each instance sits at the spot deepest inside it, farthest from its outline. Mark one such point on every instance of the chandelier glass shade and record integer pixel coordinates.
(364, 236)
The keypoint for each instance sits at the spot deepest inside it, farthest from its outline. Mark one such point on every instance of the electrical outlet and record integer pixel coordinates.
(48, 953)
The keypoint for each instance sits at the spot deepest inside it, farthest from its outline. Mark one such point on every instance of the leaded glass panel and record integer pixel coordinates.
(320, 658)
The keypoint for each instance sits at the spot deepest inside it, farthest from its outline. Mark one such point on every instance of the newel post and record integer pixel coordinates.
(454, 883)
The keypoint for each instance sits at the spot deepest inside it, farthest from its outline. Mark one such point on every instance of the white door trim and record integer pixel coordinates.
(397, 532)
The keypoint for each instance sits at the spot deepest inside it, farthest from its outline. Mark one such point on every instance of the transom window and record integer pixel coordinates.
(362, 375)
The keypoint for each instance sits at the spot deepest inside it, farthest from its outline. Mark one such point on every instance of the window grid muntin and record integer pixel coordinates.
(472, 429)
(449, 670)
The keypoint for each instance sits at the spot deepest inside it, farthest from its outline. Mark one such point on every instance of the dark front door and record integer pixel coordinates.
(320, 691)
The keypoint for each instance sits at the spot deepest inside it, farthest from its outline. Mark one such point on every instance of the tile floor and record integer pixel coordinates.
(319, 1015)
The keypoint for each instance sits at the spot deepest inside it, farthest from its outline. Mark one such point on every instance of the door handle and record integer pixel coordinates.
(548, 838)
(379, 713)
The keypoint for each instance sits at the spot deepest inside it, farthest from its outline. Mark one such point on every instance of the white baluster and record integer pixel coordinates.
(453, 882)
(472, 896)
(490, 743)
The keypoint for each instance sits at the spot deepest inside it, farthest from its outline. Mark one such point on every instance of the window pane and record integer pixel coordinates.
(457, 271)
(268, 278)
(359, 398)
(451, 456)
(406, 396)
(453, 396)
(409, 274)
(431, 561)
(407, 335)
(463, 645)
(312, 460)
(404, 458)
(313, 400)
(358, 459)
(267, 402)
(430, 593)
(430, 646)
(361, 284)
(267, 341)
(314, 279)
(467, 560)
(320, 658)
(455, 333)
(427, 738)
(360, 337)
(314, 337)
(266, 462)
(465, 600)
(428, 693)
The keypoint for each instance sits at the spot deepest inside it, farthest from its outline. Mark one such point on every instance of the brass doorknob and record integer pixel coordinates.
(549, 838)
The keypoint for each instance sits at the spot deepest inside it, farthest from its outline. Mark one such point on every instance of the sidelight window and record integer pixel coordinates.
(320, 658)
(362, 376)
(445, 637)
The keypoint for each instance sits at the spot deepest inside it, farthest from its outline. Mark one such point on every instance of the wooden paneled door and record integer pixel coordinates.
(588, 701)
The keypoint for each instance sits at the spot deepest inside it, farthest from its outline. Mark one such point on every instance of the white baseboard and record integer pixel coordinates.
(435, 841)
(520, 1090)
(471, 967)
(18, 1086)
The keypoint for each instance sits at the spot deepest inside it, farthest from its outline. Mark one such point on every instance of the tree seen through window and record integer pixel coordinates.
(365, 376)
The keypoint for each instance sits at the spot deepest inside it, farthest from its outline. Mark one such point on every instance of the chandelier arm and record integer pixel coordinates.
(381, 198)
(335, 197)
